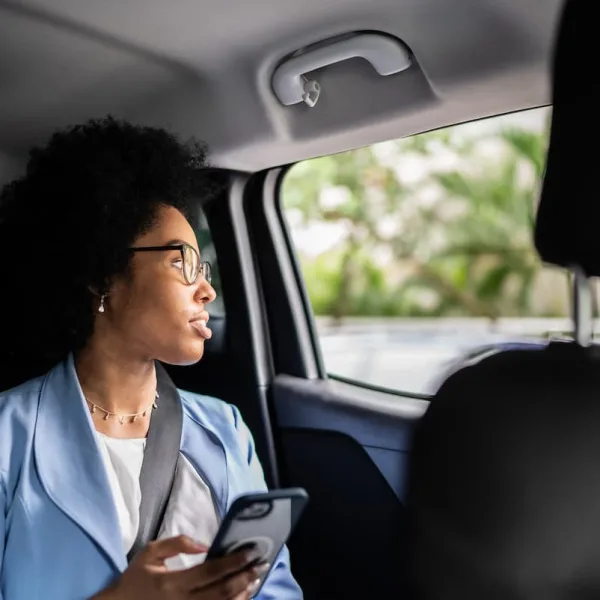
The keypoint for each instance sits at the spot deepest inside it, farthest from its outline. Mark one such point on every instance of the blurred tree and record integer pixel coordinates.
(457, 239)
(488, 248)
(349, 272)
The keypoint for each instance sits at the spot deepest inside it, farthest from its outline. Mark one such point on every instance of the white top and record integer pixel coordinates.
(190, 510)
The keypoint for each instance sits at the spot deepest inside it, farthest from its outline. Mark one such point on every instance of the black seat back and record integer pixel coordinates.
(504, 494)
(568, 218)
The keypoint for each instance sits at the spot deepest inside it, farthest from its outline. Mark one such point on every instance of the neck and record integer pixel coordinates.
(114, 380)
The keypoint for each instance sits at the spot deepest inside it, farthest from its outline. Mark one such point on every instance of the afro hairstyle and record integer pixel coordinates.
(66, 226)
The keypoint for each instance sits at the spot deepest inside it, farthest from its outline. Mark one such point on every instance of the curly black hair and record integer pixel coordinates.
(67, 224)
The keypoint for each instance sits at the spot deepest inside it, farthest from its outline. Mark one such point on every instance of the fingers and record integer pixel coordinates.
(241, 586)
(252, 588)
(159, 551)
(210, 572)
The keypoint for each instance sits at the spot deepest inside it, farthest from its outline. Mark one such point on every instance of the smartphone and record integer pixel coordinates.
(262, 522)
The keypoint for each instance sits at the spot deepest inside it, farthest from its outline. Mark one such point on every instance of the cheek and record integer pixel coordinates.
(153, 307)
(161, 311)
(153, 316)
(163, 331)
(162, 315)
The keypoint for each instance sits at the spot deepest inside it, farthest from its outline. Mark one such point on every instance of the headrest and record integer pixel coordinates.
(504, 481)
(568, 221)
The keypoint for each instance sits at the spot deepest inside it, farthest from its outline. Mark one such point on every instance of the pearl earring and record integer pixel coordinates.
(101, 307)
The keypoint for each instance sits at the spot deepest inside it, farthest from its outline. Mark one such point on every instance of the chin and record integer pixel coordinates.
(184, 357)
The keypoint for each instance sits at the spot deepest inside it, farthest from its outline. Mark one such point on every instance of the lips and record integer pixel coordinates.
(199, 324)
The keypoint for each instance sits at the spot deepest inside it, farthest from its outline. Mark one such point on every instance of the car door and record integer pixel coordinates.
(347, 445)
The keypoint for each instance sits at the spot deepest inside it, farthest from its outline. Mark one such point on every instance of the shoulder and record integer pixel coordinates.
(226, 422)
(224, 419)
(18, 414)
(21, 401)
(208, 409)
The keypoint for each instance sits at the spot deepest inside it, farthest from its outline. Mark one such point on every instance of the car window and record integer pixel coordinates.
(418, 253)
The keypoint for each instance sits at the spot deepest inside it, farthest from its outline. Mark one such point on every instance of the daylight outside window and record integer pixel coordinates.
(417, 254)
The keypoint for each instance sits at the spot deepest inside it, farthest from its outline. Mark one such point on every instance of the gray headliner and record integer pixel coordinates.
(203, 68)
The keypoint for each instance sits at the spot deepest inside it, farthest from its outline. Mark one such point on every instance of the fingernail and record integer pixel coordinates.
(251, 589)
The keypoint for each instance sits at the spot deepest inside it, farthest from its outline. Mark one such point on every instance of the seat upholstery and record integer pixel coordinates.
(504, 495)
(504, 484)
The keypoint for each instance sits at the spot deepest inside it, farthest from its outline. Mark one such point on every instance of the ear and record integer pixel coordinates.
(97, 294)
(103, 289)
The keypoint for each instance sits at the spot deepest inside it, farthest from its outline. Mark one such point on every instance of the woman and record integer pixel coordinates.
(104, 278)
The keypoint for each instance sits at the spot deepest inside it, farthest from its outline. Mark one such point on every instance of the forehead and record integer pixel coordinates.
(170, 224)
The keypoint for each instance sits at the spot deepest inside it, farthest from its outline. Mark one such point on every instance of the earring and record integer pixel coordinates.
(101, 307)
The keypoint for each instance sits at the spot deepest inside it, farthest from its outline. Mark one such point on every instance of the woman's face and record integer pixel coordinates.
(152, 311)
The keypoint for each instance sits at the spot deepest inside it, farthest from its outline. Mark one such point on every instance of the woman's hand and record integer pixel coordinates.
(147, 578)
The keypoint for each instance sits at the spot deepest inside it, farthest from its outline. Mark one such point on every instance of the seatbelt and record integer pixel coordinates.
(160, 460)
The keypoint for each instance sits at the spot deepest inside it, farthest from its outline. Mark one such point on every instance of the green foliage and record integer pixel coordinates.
(454, 240)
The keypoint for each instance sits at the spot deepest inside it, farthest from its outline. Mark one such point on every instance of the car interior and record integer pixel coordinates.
(268, 85)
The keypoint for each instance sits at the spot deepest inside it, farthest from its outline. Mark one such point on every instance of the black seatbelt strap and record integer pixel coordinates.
(160, 460)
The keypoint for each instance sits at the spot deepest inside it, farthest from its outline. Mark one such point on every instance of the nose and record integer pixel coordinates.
(205, 293)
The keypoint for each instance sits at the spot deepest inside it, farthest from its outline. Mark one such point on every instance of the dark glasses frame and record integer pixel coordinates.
(204, 267)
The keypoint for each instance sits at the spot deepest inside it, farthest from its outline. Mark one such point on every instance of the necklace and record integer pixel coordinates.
(121, 418)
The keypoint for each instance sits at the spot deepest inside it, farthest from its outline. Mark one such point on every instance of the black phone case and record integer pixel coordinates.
(244, 524)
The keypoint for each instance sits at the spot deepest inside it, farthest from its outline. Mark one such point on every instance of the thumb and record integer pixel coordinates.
(160, 550)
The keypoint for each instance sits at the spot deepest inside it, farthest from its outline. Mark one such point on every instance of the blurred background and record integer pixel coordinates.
(418, 253)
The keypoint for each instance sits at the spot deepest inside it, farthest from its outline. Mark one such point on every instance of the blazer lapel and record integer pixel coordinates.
(202, 447)
(69, 463)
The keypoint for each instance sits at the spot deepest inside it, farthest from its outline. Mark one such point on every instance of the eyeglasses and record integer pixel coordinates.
(191, 264)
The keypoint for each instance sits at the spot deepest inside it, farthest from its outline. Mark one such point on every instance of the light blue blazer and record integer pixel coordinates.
(59, 533)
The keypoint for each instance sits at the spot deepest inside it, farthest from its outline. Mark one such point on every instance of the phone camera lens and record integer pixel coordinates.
(258, 509)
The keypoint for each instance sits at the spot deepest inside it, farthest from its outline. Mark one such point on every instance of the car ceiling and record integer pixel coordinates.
(204, 68)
